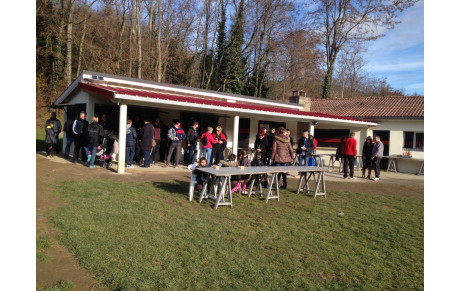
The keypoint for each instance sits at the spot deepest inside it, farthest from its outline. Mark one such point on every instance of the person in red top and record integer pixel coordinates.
(349, 151)
(207, 140)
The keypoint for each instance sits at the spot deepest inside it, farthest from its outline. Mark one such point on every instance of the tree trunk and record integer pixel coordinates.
(139, 41)
(159, 42)
(68, 60)
(80, 50)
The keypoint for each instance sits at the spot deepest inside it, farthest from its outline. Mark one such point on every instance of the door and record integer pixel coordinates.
(385, 139)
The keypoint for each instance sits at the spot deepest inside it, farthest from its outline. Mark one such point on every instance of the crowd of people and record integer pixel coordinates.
(146, 143)
(372, 154)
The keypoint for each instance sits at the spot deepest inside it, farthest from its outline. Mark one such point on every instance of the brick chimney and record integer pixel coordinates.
(300, 97)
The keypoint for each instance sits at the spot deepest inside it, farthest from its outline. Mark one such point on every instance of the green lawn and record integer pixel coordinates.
(139, 236)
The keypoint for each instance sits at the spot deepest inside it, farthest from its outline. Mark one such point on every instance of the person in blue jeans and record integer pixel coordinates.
(207, 140)
(131, 137)
(69, 134)
(305, 148)
(95, 134)
(283, 154)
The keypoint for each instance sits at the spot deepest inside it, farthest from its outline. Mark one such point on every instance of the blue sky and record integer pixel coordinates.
(398, 56)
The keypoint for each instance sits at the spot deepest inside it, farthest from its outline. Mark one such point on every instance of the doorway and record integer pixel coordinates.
(385, 139)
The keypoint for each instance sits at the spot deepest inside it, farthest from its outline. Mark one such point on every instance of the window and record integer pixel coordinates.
(330, 137)
(413, 140)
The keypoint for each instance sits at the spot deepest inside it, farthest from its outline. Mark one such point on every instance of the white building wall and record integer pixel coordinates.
(397, 129)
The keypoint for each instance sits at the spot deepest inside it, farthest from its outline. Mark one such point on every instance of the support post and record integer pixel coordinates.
(122, 139)
(311, 131)
(236, 127)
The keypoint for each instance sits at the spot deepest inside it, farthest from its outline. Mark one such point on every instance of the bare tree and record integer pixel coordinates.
(345, 21)
(68, 59)
(86, 7)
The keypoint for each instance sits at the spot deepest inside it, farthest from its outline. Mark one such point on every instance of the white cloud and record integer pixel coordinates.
(395, 67)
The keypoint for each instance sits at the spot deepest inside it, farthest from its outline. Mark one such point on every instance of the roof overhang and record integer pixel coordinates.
(122, 91)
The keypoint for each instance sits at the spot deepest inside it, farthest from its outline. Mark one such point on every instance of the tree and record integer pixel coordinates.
(347, 21)
(233, 58)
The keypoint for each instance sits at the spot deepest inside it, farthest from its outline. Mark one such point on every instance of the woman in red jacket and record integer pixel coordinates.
(207, 140)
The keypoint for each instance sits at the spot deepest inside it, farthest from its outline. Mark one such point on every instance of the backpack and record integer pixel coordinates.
(204, 141)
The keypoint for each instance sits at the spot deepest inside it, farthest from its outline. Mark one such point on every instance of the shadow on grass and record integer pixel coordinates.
(174, 187)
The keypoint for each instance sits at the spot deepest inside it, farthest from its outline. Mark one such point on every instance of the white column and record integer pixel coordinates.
(236, 127)
(122, 138)
(311, 131)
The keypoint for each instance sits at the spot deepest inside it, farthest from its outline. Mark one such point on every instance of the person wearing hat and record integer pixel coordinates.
(207, 140)
(80, 128)
(261, 145)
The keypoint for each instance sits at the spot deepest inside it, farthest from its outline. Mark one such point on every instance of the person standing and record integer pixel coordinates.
(95, 134)
(146, 142)
(191, 140)
(261, 144)
(80, 128)
(270, 138)
(349, 151)
(283, 154)
(157, 137)
(377, 155)
(218, 148)
(207, 140)
(176, 135)
(69, 135)
(50, 138)
(305, 148)
(131, 136)
(367, 155)
(57, 129)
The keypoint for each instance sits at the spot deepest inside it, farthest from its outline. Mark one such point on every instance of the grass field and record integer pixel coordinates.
(139, 236)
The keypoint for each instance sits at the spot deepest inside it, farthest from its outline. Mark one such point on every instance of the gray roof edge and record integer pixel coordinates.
(251, 98)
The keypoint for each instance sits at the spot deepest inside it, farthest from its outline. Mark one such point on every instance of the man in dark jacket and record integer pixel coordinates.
(69, 135)
(270, 139)
(175, 135)
(305, 148)
(146, 141)
(261, 145)
(80, 128)
(191, 141)
(157, 131)
(57, 128)
(131, 137)
(217, 153)
(95, 134)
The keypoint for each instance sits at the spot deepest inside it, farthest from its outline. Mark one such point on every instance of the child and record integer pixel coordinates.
(200, 176)
(258, 162)
(50, 139)
(244, 161)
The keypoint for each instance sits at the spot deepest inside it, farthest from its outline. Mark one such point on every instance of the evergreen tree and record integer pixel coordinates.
(233, 60)
(258, 90)
(221, 47)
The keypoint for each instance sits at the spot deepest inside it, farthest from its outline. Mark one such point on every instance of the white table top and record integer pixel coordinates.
(229, 171)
